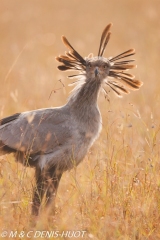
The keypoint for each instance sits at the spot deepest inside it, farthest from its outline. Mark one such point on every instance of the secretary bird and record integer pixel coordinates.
(53, 140)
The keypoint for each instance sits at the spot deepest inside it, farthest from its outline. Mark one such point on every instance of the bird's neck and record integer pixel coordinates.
(83, 100)
(85, 94)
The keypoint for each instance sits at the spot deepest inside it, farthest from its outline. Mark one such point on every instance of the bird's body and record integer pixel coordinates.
(54, 136)
(54, 140)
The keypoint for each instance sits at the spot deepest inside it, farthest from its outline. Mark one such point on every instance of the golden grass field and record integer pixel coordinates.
(115, 192)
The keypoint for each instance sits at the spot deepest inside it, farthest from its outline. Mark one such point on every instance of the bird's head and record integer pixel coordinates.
(97, 68)
(110, 71)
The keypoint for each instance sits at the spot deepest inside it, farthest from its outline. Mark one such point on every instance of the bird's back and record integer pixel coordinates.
(35, 131)
(53, 135)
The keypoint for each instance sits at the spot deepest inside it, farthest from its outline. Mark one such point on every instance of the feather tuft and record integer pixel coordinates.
(104, 39)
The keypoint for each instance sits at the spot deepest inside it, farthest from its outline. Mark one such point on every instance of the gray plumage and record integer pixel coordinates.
(54, 140)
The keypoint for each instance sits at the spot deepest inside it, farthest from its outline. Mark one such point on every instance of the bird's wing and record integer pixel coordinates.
(36, 131)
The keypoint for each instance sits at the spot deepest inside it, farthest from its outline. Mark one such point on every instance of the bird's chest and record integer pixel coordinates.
(88, 134)
(84, 136)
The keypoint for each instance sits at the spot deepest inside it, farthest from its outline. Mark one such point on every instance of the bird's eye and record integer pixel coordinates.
(89, 65)
(105, 66)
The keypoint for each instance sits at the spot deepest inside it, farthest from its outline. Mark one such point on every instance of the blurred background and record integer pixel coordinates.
(31, 38)
(128, 148)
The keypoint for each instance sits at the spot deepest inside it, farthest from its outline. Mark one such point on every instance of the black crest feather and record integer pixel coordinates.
(120, 80)
(72, 60)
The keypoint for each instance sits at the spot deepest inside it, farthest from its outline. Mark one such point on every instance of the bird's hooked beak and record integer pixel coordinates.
(96, 71)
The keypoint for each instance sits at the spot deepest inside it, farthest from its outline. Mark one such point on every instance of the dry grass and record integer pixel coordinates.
(115, 192)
